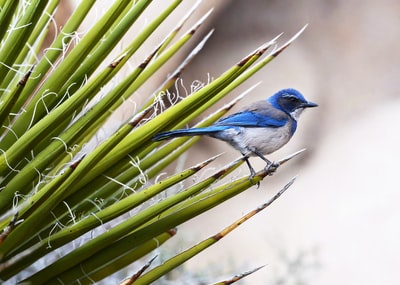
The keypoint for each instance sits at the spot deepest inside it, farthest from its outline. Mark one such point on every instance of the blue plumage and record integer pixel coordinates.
(251, 119)
(261, 128)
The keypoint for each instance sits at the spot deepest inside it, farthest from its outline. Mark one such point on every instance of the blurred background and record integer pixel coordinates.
(340, 222)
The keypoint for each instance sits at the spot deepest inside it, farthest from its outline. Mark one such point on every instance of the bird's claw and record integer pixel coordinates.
(272, 167)
(252, 174)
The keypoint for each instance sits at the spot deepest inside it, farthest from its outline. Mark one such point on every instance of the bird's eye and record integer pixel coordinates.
(292, 99)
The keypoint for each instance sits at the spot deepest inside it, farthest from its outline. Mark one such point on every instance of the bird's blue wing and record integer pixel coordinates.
(252, 120)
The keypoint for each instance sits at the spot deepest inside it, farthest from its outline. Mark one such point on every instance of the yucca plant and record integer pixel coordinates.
(58, 189)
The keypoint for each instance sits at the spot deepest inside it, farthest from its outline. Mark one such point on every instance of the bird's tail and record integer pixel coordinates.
(188, 132)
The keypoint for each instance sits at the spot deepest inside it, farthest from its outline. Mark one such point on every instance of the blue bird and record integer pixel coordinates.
(259, 129)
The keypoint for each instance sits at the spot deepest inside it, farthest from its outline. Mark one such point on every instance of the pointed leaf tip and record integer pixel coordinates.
(117, 61)
(25, 78)
(284, 188)
(241, 96)
(289, 157)
(188, 14)
(243, 275)
(247, 58)
(260, 50)
(140, 116)
(268, 44)
(206, 162)
(289, 42)
(200, 21)
(228, 168)
(134, 277)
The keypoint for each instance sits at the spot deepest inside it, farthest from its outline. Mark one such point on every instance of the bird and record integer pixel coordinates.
(259, 129)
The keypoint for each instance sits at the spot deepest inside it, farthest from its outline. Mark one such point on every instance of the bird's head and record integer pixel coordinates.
(291, 102)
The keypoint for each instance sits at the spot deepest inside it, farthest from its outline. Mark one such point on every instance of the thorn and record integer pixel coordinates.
(196, 50)
(206, 162)
(260, 50)
(135, 276)
(288, 43)
(290, 156)
(286, 187)
(241, 276)
(148, 59)
(188, 59)
(252, 213)
(277, 195)
(229, 105)
(200, 22)
(187, 16)
(269, 44)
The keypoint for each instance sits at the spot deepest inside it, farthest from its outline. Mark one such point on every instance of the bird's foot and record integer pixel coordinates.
(252, 174)
(272, 167)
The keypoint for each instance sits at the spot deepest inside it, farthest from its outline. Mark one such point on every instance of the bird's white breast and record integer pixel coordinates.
(265, 140)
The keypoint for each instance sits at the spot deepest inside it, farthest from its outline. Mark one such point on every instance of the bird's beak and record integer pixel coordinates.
(309, 105)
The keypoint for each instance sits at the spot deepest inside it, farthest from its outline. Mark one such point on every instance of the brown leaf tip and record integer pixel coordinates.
(245, 60)
(172, 232)
(116, 62)
(75, 164)
(24, 79)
